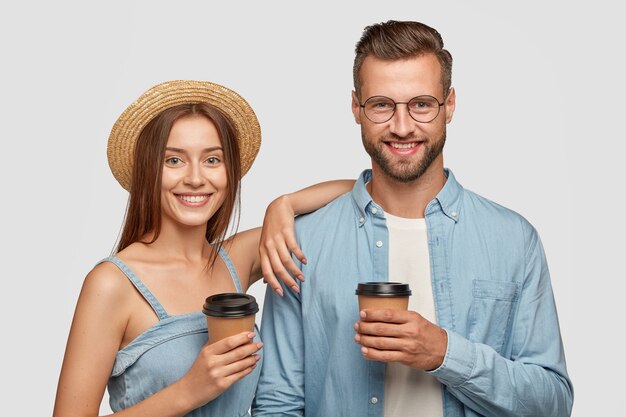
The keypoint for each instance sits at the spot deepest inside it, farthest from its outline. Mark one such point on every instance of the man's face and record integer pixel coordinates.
(401, 148)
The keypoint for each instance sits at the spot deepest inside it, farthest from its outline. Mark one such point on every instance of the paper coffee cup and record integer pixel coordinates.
(228, 314)
(383, 295)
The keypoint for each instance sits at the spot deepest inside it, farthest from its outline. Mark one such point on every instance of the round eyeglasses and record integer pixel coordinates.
(422, 109)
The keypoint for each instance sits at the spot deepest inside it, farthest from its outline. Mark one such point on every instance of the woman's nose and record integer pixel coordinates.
(194, 176)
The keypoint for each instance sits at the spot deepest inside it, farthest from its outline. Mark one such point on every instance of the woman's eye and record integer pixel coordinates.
(173, 160)
(213, 160)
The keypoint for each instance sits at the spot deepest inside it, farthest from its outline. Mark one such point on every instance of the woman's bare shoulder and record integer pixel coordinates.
(243, 250)
(241, 243)
(107, 283)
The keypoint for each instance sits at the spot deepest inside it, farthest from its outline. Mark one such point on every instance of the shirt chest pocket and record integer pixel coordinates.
(491, 311)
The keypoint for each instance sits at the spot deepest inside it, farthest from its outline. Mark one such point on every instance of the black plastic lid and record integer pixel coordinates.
(230, 305)
(383, 289)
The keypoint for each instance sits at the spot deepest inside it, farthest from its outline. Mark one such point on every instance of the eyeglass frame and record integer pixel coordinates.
(395, 106)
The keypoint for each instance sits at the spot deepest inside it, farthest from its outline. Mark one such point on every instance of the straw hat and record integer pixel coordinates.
(125, 131)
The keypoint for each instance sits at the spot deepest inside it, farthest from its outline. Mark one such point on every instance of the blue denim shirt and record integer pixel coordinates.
(492, 296)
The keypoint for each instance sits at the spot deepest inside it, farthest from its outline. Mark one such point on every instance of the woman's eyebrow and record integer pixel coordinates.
(179, 150)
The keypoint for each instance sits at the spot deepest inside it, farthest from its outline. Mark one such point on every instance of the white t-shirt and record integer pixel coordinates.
(408, 391)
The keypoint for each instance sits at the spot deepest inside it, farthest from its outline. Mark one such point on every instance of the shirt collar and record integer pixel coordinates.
(360, 196)
(448, 199)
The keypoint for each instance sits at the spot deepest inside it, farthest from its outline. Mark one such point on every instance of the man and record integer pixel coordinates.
(481, 337)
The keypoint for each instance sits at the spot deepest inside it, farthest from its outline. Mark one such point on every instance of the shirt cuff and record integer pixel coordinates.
(458, 363)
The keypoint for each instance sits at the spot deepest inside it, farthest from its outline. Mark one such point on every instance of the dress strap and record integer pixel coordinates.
(231, 268)
(141, 287)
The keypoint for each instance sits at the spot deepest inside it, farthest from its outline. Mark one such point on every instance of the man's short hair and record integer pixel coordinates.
(393, 40)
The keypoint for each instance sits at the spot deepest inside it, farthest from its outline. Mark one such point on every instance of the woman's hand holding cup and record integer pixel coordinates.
(218, 366)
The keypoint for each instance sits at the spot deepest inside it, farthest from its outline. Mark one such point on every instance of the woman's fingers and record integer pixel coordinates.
(232, 378)
(277, 245)
(279, 270)
(240, 365)
(292, 245)
(241, 352)
(232, 354)
(268, 274)
(286, 261)
(229, 343)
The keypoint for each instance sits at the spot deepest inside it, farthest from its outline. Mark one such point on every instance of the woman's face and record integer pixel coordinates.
(194, 180)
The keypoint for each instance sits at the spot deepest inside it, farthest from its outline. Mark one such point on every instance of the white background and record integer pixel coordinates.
(537, 129)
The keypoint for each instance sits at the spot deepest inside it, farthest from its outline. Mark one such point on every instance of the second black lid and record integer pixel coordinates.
(383, 289)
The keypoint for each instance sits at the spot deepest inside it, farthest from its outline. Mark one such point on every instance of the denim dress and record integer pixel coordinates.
(162, 354)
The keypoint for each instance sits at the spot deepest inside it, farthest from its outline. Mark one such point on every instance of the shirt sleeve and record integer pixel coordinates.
(281, 385)
(534, 380)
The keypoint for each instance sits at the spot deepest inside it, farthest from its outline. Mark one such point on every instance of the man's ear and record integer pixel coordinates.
(450, 104)
(356, 108)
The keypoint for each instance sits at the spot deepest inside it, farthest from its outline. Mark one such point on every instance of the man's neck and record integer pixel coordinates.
(410, 199)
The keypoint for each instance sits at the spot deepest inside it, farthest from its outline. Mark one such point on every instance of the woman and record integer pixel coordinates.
(180, 150)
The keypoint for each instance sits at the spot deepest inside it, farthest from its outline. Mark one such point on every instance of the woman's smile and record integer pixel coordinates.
(193, 200)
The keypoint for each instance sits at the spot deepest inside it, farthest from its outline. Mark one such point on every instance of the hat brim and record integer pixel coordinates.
(126, 130)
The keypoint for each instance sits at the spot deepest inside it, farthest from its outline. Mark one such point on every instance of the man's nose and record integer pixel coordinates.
(401, 123)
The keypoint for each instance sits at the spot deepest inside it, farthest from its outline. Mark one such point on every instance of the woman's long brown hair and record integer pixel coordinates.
(143, 215)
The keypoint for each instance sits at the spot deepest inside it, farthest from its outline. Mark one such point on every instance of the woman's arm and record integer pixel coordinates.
(97, 330)
(275, 242)
(315, 196)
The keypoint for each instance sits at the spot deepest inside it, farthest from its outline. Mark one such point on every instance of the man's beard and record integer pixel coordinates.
(405, 170)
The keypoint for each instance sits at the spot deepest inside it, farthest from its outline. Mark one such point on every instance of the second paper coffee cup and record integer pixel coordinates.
(228, 314)
(381, 295)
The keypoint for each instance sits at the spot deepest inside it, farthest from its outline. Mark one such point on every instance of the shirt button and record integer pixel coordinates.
(454, 214)
(374, 400)
(361, 219)
(379, 244)
(374, 210)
